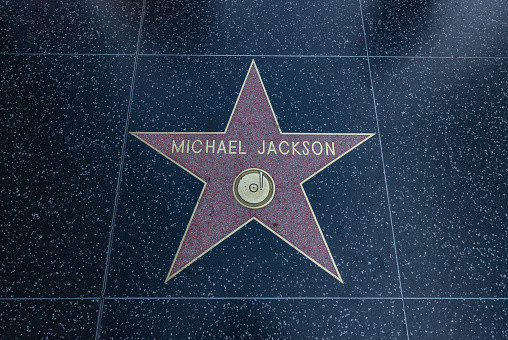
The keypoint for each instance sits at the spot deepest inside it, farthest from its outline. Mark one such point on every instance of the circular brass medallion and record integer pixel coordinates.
(254, 188)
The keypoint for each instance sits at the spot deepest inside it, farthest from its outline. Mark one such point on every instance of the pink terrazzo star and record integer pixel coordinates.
(252, 140)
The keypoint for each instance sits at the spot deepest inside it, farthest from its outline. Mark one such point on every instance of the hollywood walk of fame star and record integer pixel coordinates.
(233, 166)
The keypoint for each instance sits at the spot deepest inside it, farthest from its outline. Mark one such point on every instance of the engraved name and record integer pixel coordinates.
(234, 147)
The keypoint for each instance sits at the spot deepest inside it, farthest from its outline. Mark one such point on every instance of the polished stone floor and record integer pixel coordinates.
(416, 217)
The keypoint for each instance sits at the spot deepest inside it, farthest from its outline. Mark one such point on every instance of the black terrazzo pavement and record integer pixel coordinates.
(416, 218)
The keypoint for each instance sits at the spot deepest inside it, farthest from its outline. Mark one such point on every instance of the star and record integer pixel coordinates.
(253, 154)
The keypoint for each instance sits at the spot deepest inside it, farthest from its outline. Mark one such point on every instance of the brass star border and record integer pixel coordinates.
(253, 140)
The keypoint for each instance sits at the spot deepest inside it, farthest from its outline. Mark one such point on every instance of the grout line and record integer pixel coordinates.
(425, 57)
(67, 54)
(254, 298)
(120, 171)
(247, 55)
(49, 298)
(309, 56)
(395, 298)
(456, 298)
(302, 298)
(384, 171)
(251, 55)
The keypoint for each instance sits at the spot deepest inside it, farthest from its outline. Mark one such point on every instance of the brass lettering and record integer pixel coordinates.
(240, 148)
(293, 146)
(231, 147)
(320, 148)
(178, 148)
(271, 148)
(200, 143)
(280, 150)
(221, 147)
(306, 147)
(263, 149)
(210, 146)
(332, 148)
(188, 142)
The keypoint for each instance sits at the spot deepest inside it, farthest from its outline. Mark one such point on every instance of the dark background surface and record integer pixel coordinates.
(416, 218)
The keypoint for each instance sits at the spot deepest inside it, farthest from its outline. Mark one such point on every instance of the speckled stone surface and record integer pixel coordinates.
(253, 27)
(323, 95)
(253, 319)
(436, 28)
(416, 217)
(64, 26)
(62, 126)
(444, 126)
(458, 319)
(48, 319)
